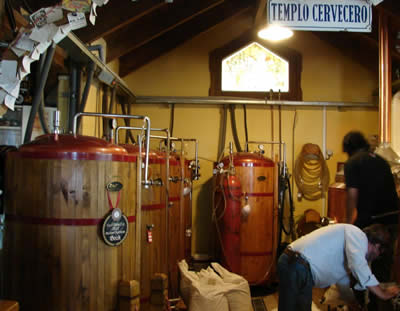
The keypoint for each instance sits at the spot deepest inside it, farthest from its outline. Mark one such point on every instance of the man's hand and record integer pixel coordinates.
(385, 293)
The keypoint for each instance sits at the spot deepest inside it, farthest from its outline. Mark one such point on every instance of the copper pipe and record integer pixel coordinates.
(385, 80)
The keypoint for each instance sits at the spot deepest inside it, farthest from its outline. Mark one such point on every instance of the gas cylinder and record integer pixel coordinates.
(254, 216)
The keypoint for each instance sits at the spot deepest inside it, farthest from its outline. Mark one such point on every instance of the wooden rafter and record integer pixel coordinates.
(155, 25)
(184, 32)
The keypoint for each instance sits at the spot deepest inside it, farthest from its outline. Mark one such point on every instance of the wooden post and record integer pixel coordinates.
(129, 292)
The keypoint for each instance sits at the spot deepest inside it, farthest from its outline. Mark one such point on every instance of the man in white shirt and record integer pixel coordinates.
(328, 256)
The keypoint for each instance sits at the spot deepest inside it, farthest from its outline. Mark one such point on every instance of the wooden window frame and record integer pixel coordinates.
(293, 57)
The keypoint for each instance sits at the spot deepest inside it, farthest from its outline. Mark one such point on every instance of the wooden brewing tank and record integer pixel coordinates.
(259, 232)
(154, 219)
(57, 198)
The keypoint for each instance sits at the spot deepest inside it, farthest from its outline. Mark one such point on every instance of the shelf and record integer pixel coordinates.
(78, 51)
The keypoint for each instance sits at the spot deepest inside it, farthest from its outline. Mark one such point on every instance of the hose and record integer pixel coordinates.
(42, 120)
(234, 129)
(222, 134)
(39, 90)
(246, 134)
(128, 123)
(171, 120)
(311, 172)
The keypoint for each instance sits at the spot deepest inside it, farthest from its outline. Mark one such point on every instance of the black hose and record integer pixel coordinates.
(128, 123)
(104, 109)
(234, 129)
(42, 119)
(245, 123)
(171, 120)
(112, 100)
(285, 184)
(90, 73)
(39, 90)
(222, 134)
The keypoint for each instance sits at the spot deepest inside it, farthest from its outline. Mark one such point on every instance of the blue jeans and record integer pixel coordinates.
(295, 285)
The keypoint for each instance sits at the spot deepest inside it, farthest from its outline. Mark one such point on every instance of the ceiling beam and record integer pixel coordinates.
(184, 32)
(259, 17)
(116, 15)
(155, 25)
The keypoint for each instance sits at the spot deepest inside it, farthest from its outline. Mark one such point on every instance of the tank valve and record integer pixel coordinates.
(174, 179)
(299, 196)
(157, 182)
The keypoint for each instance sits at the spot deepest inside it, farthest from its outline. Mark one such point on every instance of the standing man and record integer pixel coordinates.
(371, 198)
(328, 256)
(371, 191)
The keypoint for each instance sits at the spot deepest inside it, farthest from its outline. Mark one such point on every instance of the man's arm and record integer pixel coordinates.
(384, 293)
(351, 206)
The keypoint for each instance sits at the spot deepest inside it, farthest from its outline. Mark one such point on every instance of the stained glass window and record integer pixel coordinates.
(255, 69)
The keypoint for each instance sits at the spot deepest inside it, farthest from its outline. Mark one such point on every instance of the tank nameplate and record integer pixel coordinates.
(115, 228)
(114, 186)
(261, 178)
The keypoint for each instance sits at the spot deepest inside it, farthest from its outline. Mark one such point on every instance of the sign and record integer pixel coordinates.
(115, 228)
(321, 15)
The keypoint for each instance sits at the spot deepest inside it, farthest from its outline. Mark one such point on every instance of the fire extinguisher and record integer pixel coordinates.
(230, 222)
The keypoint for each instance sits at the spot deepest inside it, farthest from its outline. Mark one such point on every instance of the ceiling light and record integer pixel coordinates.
(275, 33)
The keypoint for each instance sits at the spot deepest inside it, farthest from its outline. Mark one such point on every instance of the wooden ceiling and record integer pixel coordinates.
(138, 31)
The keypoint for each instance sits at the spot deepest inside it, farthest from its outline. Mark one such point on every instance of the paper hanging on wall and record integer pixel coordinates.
(77, 5)
(77, 20)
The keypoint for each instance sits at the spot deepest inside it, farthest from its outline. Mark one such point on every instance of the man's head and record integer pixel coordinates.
(378, 240)
(353, 142)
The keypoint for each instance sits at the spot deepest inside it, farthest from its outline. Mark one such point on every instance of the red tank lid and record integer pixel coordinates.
(68, 146)
(154, 156)
(248, 159)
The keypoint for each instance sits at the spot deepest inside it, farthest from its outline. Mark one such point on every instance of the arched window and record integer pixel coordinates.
(250, 67)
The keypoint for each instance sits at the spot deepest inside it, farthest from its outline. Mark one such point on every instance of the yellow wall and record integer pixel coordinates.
(326, 76)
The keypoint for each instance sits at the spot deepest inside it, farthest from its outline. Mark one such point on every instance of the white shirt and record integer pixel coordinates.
(335, 251)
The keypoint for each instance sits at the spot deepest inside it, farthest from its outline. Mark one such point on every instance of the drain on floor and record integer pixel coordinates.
(258, 304)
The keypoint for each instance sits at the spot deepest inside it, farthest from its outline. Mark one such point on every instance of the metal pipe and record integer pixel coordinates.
(73, 94)
(146, 120)
(139, 209)
(219, 100)
(38, 94)
(385, 80)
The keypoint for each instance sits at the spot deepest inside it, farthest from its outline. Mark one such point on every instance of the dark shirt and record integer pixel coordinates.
(372, 176)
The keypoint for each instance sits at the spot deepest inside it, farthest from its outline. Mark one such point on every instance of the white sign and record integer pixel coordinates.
(321, 15)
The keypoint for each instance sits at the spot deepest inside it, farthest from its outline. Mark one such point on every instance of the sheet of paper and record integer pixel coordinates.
(77, 20)
(9, 101)
(18, 52)
(26, 64)
(93, 14)
(59, 35)
(24, 42)
(77, 5)
(8, 69)
(43, 34)
(2, 96)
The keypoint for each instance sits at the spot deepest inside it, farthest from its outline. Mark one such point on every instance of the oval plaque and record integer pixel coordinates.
(114, 186)
(261, 178)
(115, 228)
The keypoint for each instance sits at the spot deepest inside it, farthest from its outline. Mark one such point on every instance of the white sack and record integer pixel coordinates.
(238, 293)
(208, 293)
